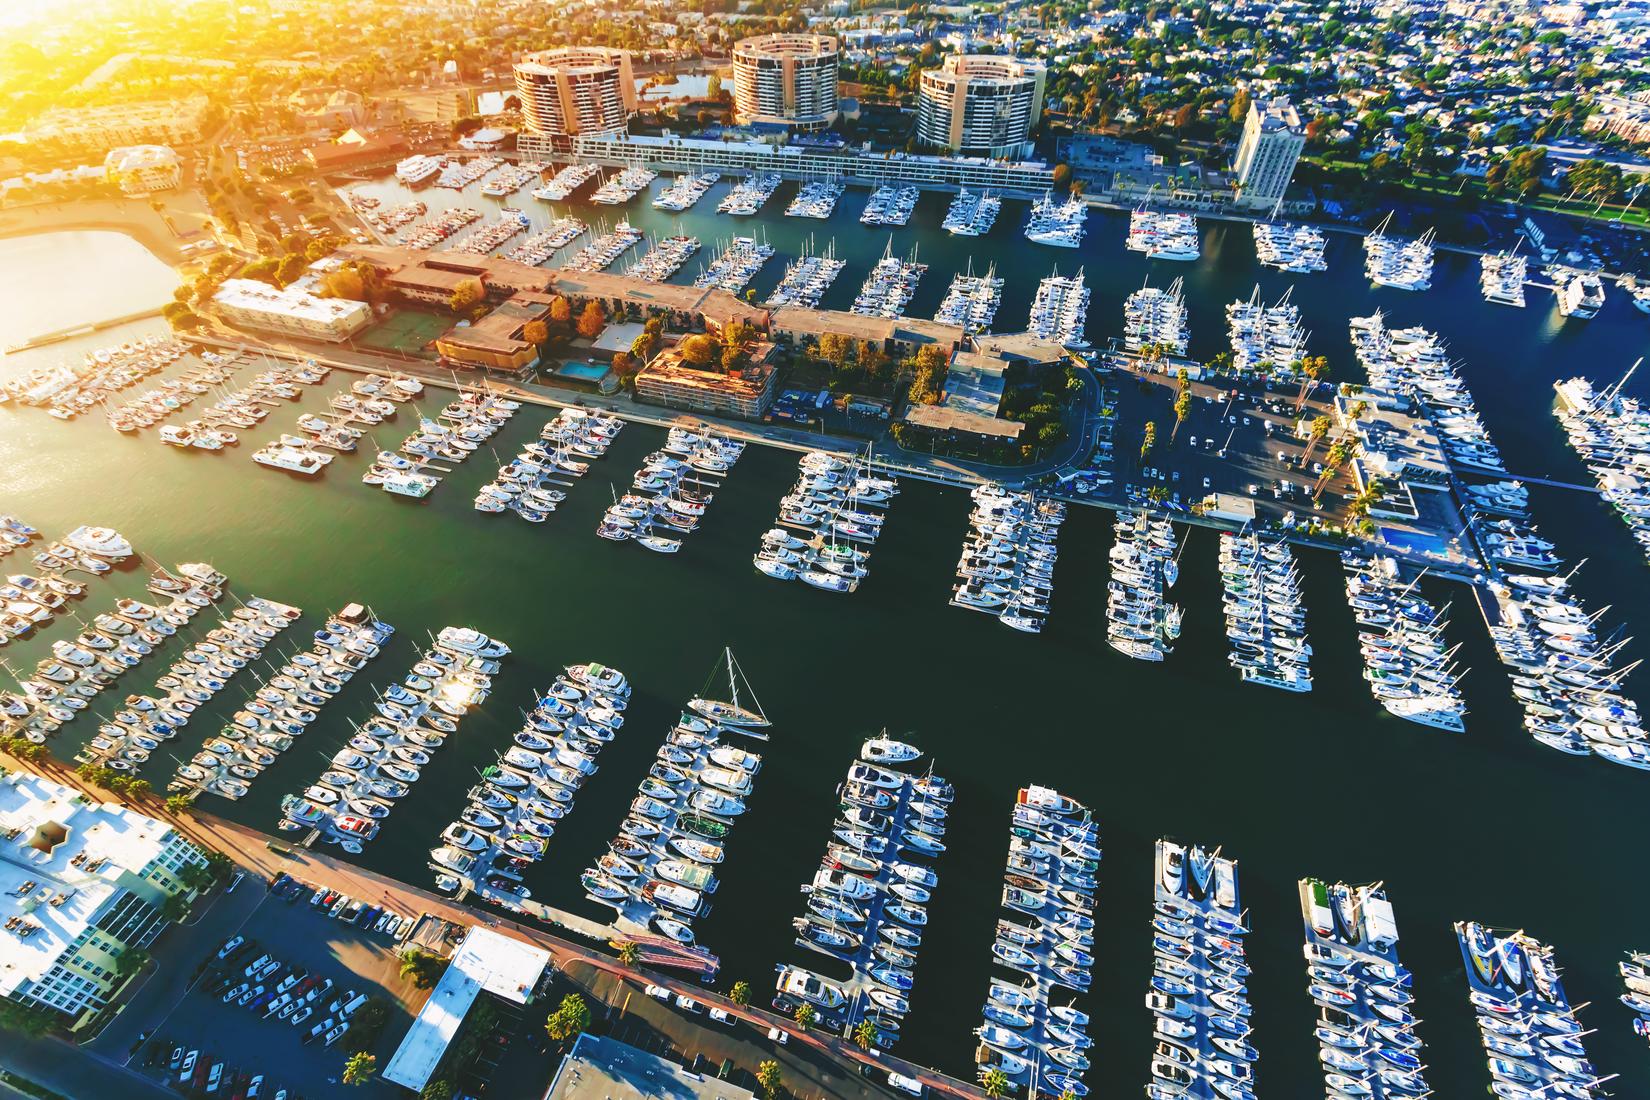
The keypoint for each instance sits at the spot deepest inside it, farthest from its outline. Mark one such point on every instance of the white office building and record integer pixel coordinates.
(786, 80)
(575, 90)
(294, 311)
(981, 105)
(80, 883)
(1266, 156)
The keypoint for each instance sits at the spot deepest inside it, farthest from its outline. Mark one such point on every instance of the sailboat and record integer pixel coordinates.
(732, 713)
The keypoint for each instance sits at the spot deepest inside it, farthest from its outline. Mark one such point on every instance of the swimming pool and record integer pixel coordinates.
(584, 372)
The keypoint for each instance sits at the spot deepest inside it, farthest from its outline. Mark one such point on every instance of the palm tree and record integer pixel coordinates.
(1313, 368)
(360, 1068)
(805, 1014)
(1367, 498)
(1315, 433)
(995, 1083)
(629, 952)
(740, 993)
(865, 1033)
(768, 1075)
(1339, 453)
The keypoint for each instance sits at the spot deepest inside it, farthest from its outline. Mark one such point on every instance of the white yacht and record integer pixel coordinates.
(1580, 294)
(417, 169)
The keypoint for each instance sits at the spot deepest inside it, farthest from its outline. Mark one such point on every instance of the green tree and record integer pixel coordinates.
(1314, 434)
(805, 1014)
(27, 1020)
(865, 1033)
(740, 993)
(769, 1076)
(571, 1018)
(436, 1090)
(1148, 440)
(629, 953)
(1313, 369)
(175, 908)
(1182, 407)
(130, 961)
(360, 1068)
(995, 1083)
(179, 804)
(422, 968)
(835, 348)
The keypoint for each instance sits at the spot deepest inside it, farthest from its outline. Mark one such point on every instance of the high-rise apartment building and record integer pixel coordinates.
(980, 105)
(786, 79)
(575, 90)
(1266, 156)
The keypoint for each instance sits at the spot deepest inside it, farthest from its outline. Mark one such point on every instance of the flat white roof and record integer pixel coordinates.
(504, 967)
(45, 830)
(259, 297)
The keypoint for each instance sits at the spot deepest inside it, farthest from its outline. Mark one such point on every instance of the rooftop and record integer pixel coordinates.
(74, 853)
(802, 321)
(606, 1069)
(504, 967)
(944, 418)
(250, 294)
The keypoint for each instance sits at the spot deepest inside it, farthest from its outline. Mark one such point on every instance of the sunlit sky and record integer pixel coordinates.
(18, 12)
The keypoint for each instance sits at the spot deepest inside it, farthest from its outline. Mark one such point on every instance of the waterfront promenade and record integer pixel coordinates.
(163, 234)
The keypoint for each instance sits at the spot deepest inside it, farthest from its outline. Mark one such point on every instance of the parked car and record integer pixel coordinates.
(187, 1070)
(229, 945)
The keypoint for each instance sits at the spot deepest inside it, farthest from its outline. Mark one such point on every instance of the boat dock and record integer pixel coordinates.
(1048, 883)
(1532, 1039)
(866, 905)
(59, 335)
(1366, 1022)
(1198, 992)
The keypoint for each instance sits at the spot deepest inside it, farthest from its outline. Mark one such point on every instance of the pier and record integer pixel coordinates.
(59, 335)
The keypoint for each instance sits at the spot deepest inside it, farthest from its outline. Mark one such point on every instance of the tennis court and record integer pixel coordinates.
(406, 331)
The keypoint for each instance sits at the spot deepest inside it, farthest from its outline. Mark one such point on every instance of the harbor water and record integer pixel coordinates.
(1485, 825)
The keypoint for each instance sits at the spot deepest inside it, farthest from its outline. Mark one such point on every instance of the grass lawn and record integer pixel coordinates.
(406, 331)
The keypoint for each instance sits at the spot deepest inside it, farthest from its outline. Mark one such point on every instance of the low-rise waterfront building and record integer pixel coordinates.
(746, 391)
(143, 169)
(895, 336)
(675, 154)
(606, 1069)
(940, 426)
(81, 883)
(293, 311)
(485, 963)
(496, 341)
(785, 80)
(97, 129)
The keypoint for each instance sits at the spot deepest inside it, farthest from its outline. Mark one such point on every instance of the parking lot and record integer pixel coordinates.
(258, 1019)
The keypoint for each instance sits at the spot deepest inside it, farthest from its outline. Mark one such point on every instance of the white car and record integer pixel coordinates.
(778, 1036)
(658, 991)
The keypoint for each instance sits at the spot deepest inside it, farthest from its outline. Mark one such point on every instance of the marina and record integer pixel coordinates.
(815, 199)
(806, 280)
(511, 815)
(736, 266)
(832, 505)
(462, 427)
(620, 189)
(972, 300)
(510, 178)
(1164, 235)
(1265, 621)
(1364, 995)
(663, 259)
(601, 252)
(1057, 224)
(347, 805)
(1409, 669)
(1007, 563)
(1140, 622)
(538, 248)
(1531, 1036)
(457, 173)
(154, 405)
(1502, 276)
(749, 195)
(427, 234)
(1045, 939)
(1265, 338)
(284, 706)
(66, 390)
(889, 287)
(531, 484)
(1610, 434)
(686, 190)
(671, 491)
(1398, 263)
(1060, 312)
(867, 903)
(1289, 246)
(660, 869)
(890, 206)
(1155, 318)
(1199, 994)
(567, 180)
(493, 235)
(913, 578)
(972, 213)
